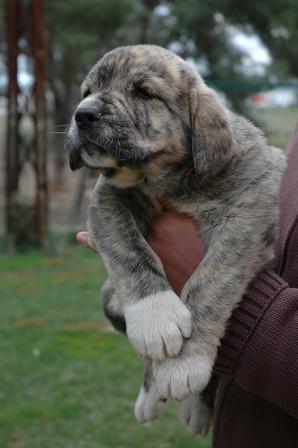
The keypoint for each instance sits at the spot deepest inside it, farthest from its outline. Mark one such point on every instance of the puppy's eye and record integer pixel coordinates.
(143, 93)
(86, 93)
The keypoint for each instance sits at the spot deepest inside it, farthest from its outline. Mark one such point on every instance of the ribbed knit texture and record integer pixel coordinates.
(258, 297)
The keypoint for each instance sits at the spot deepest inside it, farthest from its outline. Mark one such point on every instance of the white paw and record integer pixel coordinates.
(157, 324)
(181, 376)
(148, 404)
(195, 415)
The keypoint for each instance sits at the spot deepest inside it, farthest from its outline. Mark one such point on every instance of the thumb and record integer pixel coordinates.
(83, 238)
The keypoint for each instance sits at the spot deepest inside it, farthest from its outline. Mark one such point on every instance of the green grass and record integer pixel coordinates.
(278, 124)
(67, 382)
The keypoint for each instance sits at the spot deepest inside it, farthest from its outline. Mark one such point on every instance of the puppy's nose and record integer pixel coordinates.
(86, 116)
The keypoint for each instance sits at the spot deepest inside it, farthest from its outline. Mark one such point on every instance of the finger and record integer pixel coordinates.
(82, 238)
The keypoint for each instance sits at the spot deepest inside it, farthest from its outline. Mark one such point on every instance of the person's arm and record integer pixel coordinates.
(260, 347)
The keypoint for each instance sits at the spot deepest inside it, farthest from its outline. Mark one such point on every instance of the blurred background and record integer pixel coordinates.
(67, 380)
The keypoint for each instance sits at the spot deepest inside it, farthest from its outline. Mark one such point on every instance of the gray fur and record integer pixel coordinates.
(164, 136)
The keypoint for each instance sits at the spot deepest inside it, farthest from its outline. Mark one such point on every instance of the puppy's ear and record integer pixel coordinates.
(212, 140)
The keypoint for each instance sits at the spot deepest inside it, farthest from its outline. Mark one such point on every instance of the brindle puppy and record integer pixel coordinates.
(159, 135)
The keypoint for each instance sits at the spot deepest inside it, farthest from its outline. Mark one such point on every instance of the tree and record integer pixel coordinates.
(206, 23)
(276, 22)
(78, 33)
(203, 30)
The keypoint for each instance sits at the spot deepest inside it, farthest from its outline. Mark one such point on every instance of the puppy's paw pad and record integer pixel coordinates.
(157, 324)
(179, 377)
(195, 415)
(148, 405)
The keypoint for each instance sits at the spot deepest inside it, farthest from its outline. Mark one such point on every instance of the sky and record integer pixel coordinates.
(256, 56)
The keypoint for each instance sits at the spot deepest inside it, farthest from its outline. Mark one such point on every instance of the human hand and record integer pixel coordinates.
(175, 239)
(82, 238)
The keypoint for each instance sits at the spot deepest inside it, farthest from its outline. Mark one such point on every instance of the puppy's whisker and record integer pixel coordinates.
(62, 126)
(111, 144)
(118, 152)
(57, 132)
(93, 141)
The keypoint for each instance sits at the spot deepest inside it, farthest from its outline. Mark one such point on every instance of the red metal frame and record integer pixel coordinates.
(25, 23)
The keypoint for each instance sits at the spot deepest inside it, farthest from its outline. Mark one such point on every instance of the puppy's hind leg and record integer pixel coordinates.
(196, 410)
(148, 404)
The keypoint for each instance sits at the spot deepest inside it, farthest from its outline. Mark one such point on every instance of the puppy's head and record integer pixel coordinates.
(144, 108)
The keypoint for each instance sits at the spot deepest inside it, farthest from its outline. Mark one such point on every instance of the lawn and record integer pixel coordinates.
(67, 380)
(278, 124)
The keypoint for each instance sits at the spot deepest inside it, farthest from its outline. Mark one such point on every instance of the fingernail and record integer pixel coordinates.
(82, 237)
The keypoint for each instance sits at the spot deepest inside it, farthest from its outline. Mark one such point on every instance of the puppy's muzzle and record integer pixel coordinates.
(86, 118)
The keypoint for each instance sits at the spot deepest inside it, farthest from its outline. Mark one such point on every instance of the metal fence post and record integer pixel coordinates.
(25, 36)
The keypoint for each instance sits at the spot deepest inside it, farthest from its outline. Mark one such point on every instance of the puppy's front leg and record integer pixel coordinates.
(148, 403)
(235, 254)
(156, 319)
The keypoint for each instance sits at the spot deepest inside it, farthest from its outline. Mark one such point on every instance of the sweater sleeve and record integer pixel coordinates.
(260, 348)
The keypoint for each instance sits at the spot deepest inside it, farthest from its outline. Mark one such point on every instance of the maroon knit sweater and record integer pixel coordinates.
(257, 403)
